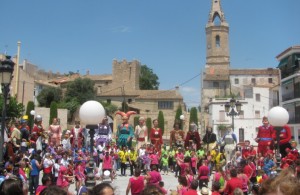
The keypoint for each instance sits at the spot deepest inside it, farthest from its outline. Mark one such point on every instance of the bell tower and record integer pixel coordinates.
(216, 82)
(217, 47)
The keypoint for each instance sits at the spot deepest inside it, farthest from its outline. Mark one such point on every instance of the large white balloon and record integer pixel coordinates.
(278, 116)
(91, 113)
(32, 112)
(181, 117)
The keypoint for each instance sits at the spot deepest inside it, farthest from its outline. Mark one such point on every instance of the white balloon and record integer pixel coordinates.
(91, 112)
(181, 117)
(32, 112)
(278, 116)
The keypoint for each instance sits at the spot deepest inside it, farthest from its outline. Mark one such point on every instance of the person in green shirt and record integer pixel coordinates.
(200, 152)
(165, 163)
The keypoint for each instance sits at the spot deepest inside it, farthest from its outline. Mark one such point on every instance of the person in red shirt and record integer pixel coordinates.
(264, 136)
(232, 183)
(284, 137)
(192, 189)
(107, 163)
(156, 135)
(136, 183)
(203, 173)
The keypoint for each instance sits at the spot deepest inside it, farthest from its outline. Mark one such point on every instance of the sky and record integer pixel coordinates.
(166, 35)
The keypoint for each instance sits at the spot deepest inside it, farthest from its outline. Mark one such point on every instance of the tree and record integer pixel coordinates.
(29, 108)
(125, 107)
(148, 79)
(136, 121)
(71, 105)
(161, 121)
(177, 116)
(48, 95)
(194, 115)
(149, 126)
(80, 89)
(13, 109)
(53, 112)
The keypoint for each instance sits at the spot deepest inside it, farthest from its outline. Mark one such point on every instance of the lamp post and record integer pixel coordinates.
(6, 70)
(232, 104)
(91, 113)
(278, 117)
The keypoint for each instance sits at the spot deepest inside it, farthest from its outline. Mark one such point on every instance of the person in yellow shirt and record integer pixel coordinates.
(132, 160)
(123, 155)
(214, 153)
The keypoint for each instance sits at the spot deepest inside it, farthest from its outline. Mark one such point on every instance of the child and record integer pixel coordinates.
(161, 185)
(66, 141)
(215, 188)
(165, 162)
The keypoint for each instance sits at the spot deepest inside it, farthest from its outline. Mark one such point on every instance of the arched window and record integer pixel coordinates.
(218, 44)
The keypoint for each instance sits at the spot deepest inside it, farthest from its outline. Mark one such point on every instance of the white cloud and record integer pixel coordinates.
(121, 29)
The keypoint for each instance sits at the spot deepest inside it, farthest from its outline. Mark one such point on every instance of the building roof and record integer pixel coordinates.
(143, 94)
(268, 71)
(64, 79)
(287, 52)
(45, 83)
(104, 77)
(216, 77)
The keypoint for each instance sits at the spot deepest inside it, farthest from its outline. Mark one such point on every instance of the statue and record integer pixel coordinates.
(103, 133)
(193, 137)
(229, 140)
(76, 135)
(141, 133)
(55, 132)
(156, 136)
(177, 136)
(125, 131)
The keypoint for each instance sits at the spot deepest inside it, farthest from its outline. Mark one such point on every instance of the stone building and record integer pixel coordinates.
(289, 65)
(221, 81)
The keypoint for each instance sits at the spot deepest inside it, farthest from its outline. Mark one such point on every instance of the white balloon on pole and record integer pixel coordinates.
(181, 117)
(32, 112)
(278, 116)
(91, 112)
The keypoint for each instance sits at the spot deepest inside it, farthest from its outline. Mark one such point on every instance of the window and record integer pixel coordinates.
(218, 41)
(216, 84)
(253, 81)
(270, 80)
(165, 105)
(222, 115)
(257, 114)
(257, 97)
(236, 81)
(241, 114)
(241, 135)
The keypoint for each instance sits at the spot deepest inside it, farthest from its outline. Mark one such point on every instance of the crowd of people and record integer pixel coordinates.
(207, 165)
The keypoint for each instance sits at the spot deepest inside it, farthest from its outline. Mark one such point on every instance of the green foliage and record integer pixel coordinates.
(30, 106)
(161, 121)
(71, 105)
(125, 107)
(136, 121)
(48, 95)
(80, 89)
(177, 116)
(53, 112)
(148, 79)
(221, 127)
(149, 126)
(194, 115)
(109, 108)
(13, 109)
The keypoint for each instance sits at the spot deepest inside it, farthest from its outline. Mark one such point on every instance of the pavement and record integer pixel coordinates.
(121, 182)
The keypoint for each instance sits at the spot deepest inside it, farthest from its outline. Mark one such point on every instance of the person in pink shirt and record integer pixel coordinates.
(153, 176)
(79, 173)
(154, 159)
(136, 183)
(63, 178)
(107, 164)
(194, 160)
(179, 159)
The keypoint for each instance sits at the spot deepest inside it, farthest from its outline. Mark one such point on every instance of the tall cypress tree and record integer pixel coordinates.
(30, 107)
(194, 115)
(149, 126)
(161, 121)
(53, 112)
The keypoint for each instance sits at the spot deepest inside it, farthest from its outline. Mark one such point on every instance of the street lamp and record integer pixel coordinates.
(6, 70)
(91, 113)
(278, 117)
(233, 104)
